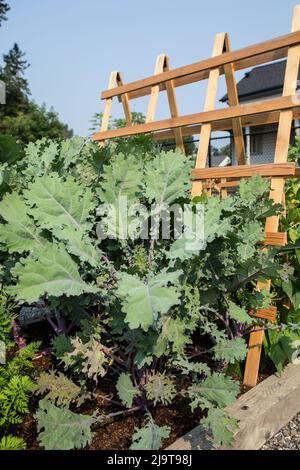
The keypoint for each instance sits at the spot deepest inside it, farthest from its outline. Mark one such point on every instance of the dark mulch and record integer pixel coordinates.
(115, 434)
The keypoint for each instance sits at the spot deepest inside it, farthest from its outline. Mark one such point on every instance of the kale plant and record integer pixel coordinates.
(163, 313)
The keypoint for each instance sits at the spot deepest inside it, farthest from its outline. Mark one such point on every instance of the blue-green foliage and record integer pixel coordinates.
(139, 304)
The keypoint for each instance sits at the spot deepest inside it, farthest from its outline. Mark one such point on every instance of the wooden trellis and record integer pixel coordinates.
(282, 110)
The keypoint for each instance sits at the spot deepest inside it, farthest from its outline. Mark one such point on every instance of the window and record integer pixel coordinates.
(256, 144)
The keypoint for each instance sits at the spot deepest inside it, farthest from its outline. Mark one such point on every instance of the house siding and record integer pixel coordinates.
(269, 135)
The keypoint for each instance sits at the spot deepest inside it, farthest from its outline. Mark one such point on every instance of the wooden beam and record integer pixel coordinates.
(276, 238)
(209, 105)
(199, 76)
(232, 183)
(162, 63)
(218, 184)
(125, 101)
(115, 80)
(277, 184)
(287, 102)
(266, 409)
(285, 121)
(107, 108)
(265, 313)
(208, 64)
(260, 413)
(159, 67)
(233, 100)
(173, 107)
(245, 171)
(226, 125)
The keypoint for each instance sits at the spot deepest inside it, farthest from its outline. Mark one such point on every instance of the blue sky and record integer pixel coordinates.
(73, 45)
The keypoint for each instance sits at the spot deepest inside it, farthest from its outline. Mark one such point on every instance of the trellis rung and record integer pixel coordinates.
(265, 313)
(245, 171)
(275, 238)
(206, 65)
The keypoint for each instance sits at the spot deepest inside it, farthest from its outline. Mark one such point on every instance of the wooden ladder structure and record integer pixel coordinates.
(282, 110)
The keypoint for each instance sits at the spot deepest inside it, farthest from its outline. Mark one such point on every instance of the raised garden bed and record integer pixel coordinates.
(261, 413)
(148, 336)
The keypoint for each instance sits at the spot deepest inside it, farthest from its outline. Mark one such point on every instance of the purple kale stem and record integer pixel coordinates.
(112, 401)
(61, 322)
(133, 375)
(116, 368)
(19, 339)
(129, 360)
(61, 326)
(110, 265)
(247, 332)
(69, 328)
(123, 356)
(129, 410)
(225, 321)
(199, 353)
(119, 362)
(160, 364)
(55, 327)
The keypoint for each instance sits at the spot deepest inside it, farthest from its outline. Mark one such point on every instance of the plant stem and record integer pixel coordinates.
(103, 397)
(117, 413)
(19, 339)
(257, 330)
(54, 326)
(217, 314)
(110, 265)
(199, 353)
(239, 284)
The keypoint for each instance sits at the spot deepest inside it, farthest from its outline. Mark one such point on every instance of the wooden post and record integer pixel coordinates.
(277, 187)
(115, 79)
(159, 67)
(108, 104)
(163, 64)
(222, 44)
(233, 100)
(173, 107)
(125, 102)
(210, 101)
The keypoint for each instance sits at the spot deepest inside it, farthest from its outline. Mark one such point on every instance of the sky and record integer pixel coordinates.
(73, 45)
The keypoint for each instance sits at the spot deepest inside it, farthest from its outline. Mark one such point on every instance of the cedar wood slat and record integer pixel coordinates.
(208, 64)
(245, 171)
(277, 188)
(209, 105)
(225, 125)
(277, 104)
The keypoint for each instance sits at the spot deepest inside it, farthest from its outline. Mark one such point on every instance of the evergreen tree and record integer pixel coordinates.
(4, 8)
(17, 90)
(20, 117)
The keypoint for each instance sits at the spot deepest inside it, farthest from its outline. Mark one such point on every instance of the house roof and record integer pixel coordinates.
(261, 81)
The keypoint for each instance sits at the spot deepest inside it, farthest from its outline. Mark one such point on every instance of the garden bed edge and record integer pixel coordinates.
(261, 413)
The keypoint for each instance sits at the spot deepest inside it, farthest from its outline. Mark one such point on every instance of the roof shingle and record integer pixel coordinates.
(261, 81)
